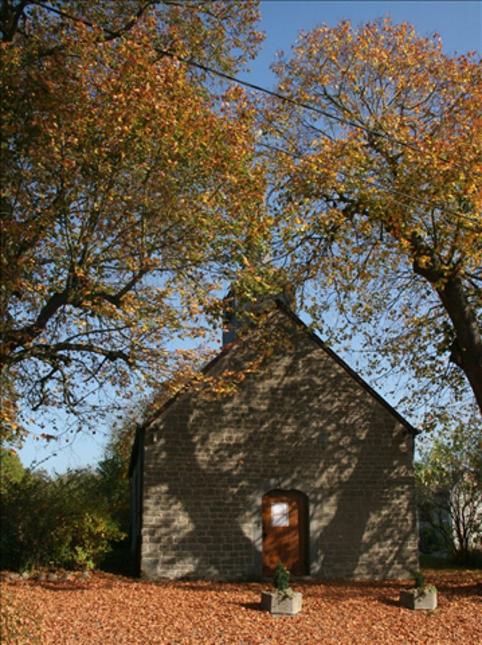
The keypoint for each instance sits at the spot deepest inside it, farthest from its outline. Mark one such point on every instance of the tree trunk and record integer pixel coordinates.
(467, 346)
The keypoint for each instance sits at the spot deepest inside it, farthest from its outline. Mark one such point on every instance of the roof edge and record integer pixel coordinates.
(289, 312)
(135, 449)
(204, 370)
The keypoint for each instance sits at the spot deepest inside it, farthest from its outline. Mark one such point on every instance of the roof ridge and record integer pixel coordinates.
(282, 306)
(227, 349)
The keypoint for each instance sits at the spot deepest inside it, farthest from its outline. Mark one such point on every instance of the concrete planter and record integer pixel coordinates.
(275, 603)
(419, 598)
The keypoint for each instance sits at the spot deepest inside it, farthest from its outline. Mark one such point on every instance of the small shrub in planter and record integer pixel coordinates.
(283, 600)
(422, 596)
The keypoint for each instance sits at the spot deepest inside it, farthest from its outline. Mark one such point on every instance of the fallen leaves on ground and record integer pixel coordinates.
(111, 609)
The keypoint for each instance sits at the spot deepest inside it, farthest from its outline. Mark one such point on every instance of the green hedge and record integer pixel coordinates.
(54, 522)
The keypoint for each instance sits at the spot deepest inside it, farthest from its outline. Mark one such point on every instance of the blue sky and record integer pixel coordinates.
(458, 23)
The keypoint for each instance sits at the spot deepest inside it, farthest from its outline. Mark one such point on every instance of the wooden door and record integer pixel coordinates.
(285, 531)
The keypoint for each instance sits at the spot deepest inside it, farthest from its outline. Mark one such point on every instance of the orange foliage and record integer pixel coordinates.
(110, 609)
(380, 190)
(128, 189)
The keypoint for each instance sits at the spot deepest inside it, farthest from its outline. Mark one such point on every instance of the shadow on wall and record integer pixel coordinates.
(299, 422)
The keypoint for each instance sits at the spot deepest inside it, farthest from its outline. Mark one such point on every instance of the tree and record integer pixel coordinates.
(11, 468)
(375, 159)
(113, 473)
(68, 511)
(449, 487)
(128, 186)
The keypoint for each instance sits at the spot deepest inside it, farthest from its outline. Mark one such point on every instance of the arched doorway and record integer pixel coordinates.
(285, 531)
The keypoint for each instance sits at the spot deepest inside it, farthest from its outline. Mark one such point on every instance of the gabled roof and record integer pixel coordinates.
(281, 306)
(347, 368)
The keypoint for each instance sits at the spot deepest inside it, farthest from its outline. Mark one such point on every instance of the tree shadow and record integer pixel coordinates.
(251, 606)
(74, 582)
(461, 590)
(300, 421)
(390, 602)
(213, 586)
(57, 585)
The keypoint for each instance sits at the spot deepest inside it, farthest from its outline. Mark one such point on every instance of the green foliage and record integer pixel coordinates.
(430, 561)
(112, 474)
(92, 535)
(79, 519)
(419, 579)
(54, 522)
(282, 581)
(430, 540)
(449, 487)
(113, 487)
(422, 588)
(281, 577)
(473, 559)
(11, 469)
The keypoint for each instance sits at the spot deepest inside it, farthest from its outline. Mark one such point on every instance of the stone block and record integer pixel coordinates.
(276, 603)
(419, 599)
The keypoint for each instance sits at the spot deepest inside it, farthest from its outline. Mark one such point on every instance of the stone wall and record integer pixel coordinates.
(301, 421)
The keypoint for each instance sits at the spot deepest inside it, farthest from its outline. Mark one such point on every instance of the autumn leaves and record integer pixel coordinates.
(380, 191)
(134, 187)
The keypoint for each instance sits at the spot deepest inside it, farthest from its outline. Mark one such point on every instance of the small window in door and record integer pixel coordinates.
(280, 514)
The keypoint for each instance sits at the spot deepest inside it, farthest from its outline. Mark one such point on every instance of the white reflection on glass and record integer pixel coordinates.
(280, 514)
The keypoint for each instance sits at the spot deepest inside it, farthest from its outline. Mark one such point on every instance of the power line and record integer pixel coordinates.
(282, 97)
(277, 95)
(287, 99)
(307, 106)
(229, 77)
(394, 191)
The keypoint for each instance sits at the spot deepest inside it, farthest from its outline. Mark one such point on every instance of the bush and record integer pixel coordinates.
(89, 539)
(77, 519)
(430, 541)
(449, 488)
(22, 503)
(282, 581)
(472, 559)
(57, 522)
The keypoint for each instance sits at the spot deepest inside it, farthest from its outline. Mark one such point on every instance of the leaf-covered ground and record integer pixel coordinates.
(110, 609)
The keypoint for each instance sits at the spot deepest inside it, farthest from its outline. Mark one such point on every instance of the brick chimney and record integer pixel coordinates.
(234, 307)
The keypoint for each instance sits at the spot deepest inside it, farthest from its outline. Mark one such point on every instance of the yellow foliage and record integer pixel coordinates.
(389, 186)
(114, 222)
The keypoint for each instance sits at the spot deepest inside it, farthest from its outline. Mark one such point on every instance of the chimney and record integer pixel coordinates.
(234, 307)
(230, 322)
